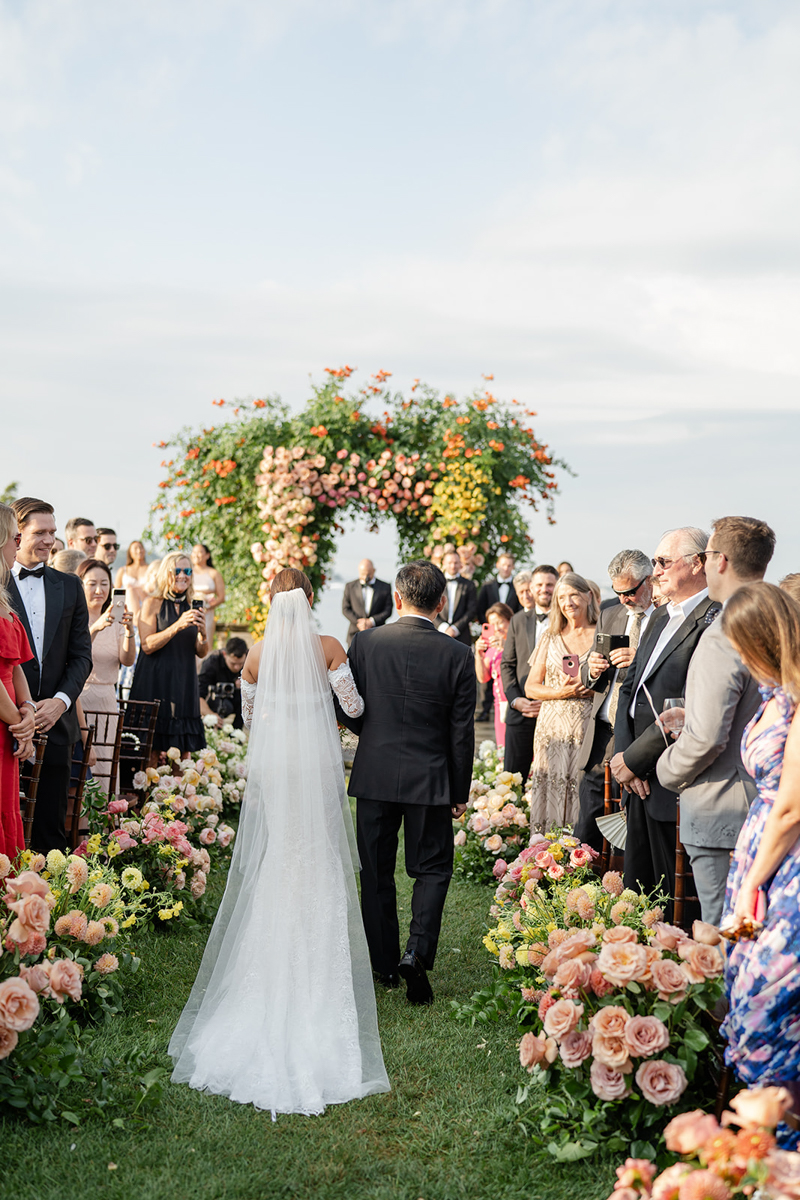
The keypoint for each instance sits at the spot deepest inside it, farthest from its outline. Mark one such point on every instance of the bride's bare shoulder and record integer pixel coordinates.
(250, 668)
(334, 651)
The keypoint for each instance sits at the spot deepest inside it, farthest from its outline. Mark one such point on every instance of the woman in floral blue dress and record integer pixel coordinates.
(763, 973)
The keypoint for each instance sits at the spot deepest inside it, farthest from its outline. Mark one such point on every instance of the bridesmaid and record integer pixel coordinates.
(763, 973)
(209, 586)
(16, 707)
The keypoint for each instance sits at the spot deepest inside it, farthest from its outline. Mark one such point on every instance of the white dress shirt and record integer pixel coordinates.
(541, 626)
(367, 594)
(677, 615)
(452, 585)
(504, 587)
(32, 595)
(603, 714)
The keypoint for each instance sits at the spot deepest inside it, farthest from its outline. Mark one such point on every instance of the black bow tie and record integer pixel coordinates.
(542, 616)
(37, 573)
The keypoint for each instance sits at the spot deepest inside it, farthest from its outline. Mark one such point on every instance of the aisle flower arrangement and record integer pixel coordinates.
(230, 747)
(495, 825)
(717, 1162)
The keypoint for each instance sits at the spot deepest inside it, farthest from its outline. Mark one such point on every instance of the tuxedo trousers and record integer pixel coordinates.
(428, 841)
(592, 786)
(518, 754)
(50, 813)
(649, 851)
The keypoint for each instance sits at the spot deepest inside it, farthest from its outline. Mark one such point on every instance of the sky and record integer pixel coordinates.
(596, 201)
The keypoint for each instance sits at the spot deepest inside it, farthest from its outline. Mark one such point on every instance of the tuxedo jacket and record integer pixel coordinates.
(612, 619)
(417, 732)
(66, 648)
(514, 665)
(639, 738)
(465, 610)
(489, 594)
(353, 605)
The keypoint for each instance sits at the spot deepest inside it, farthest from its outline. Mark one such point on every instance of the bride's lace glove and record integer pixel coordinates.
(343, 684)
(248, 696)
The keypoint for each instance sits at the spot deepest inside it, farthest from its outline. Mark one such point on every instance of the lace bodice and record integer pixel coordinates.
(341, 681)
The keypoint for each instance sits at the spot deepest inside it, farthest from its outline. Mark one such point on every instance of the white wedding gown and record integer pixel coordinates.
(282, 1013)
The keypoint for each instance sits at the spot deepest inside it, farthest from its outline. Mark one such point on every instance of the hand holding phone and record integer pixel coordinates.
(117, 606)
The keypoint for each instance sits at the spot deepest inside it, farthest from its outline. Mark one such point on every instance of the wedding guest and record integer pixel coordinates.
(132, 576)
(762, 973)
(209, 586)
(488, 656)
(68, 561)
(81, 535)
(704, 766)
(113, 646)
(45, 599)
(554, 679)
(107, 546)
(367, 601)
(470, 560)
(461, 601)
(791, 584)
(16, 707)
(630, 572)
(499, 588)
(535, 593)
(58, 545)
(565, 568)
(173, 635)
(223, 667)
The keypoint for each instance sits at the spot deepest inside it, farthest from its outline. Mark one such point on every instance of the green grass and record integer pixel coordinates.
(447, 1129)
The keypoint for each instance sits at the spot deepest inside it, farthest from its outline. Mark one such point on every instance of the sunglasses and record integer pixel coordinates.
(631, 591)
(17, 538)
(705, 553)
(182, 571)
(667, 562)
(109, 545)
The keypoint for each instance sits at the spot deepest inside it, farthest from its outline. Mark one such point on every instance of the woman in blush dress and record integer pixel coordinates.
(209, 586)
(131, 576)
(488, 655)
(762, 973)
(113, 647)
(566, 703)
(16, 707)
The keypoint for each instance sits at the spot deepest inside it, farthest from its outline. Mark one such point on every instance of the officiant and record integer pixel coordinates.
(367, 601)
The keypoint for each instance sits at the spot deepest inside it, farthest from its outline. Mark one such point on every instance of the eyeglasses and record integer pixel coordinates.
(667, 562)
(90, 541)
(705, 553)
(182, 571)
(109, 545)
(17, 538)
(631, 591)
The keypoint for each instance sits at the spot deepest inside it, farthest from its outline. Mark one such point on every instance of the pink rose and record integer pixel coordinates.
(461, 838)
(562, 1017)
(666, 1186)
(620, 933)
(622, 962)
(580, 857)
(635, 1171)
(19, 1005)
(224, 836)
(575, 1048)
(707, 934)
(606, 1083)
(669, 980)
(556, 871)
(661, 1082)
(646, 1036)
(701, 962)
(600, 985)
(27, 883)
(667, 936)
(198, 884)
(66, 979)
(610, 1021)
(479, 823)
(572, 977)
(36, 977)
(687, 1132)
(207, 836)
(544, 860)
(574, 943)
(784, 1174)
(763, 1106)
(117, 806)
(612, 1052)
(8, 1041)
(534, 1050)
(499, 869)
(32, 916)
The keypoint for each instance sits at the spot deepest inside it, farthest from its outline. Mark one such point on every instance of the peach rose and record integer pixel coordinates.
(622, 962)
(32, 914)
(544, 860)
(572, 977)
(763, 1106)
(561, 1018)
(645, 1036)
(620, 933)
(27, 883)
(707, 934)
(19, 1005)
(669, 980)
(687, 1132)
(478, 824)
(606, 1083)
(198, 884)
(668, 937)
(612, 1052)
(555, 872)
(461, 838)
(600, 985)
(8, 1041)
(575, 1048)
(5, 865)
(36, 977)
(575, 943)
(701, 962)
(493, 844)
(66, 979)
(610, 1021)
(661, 1082)
(535, 1050)
(666, 1186)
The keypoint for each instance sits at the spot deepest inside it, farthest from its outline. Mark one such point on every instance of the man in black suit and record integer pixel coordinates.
(630, 572)
(367, 601)
(413, 764)
(659, 668)
(535, 594)
(499, 588)
(52, 607)
(460, 607)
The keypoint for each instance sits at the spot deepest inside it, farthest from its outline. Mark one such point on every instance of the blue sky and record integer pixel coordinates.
(594, 200)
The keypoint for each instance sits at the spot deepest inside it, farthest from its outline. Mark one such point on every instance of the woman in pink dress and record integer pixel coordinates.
(488, 653)
(16, 707)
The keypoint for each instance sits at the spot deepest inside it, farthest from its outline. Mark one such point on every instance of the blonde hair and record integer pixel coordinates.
(166, 568)
(558, 622)
(763, 623)
(8, 529)
(68, 561)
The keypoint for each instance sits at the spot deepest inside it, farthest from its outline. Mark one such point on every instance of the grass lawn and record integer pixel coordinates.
(446, 1130)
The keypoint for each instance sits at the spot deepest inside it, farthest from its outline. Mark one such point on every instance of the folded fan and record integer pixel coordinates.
(614, 829)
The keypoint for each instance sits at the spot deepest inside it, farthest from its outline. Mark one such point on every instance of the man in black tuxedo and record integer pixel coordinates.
(367, 601)
(499, 588)
(413, 764)
(660, 666)
(52, 607)
(630, 572)
(535, 594)
(460, 607)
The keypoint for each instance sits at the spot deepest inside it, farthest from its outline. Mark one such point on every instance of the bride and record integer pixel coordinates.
(282, 1013)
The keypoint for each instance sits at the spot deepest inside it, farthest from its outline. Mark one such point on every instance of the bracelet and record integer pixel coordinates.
(30, 702)
(83, 728)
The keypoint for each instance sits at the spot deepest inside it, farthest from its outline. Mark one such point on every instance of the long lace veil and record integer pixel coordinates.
(282, 1013)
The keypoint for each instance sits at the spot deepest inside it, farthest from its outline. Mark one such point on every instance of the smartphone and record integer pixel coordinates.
(199, 604)
(606, 642)
(761, 905)
(486, 630)
(117, 604)
(570, 665)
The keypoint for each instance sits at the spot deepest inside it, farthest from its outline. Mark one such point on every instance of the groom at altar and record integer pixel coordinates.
(413, 765)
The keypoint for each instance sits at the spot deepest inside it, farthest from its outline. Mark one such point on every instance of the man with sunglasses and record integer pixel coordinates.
(630, 572)
(107, 546)
(658, 673)
(81, 535)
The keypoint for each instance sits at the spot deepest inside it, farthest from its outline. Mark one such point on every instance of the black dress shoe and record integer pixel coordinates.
(387, 981)
(419, 990)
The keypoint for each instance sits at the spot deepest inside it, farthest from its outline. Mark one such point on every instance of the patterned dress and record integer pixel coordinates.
(762, 976)
(560, 727)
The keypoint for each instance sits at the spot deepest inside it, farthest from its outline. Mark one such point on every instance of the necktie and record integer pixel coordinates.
(635, 631)
(542, 617)
(37, 573)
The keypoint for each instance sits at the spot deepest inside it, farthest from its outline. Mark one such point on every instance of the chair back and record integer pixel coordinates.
(137, 730)
(686, 902)
(80, 769)
(611, 859)
(27, 798)
(107, 741)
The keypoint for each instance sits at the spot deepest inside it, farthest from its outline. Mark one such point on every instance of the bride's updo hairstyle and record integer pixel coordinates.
(763, 623)
(421, 585)
(288, 580)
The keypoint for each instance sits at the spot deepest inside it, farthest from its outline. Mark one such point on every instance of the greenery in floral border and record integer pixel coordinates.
(496, 821)
(265, 488)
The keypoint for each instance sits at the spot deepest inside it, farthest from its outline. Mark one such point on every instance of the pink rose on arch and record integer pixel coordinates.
(612, 1052)
(499, 869)
(535, 1050)
(607, 1084)
(527, 854)
(198, 885)
(661, 1082)
(572, 977)
(573, 944)
(575, 1048)
(610, 1021)
(620, 933)
(515, 872)
(19, 1005)
(117, 806)
(646, 1036)
(622, 962)
(37, 977)
(126, 842)
(561, 1018)
(66, 979)
(27, 883)
(689, 1131)
(32, 914)
(207, 836)
(580, 857)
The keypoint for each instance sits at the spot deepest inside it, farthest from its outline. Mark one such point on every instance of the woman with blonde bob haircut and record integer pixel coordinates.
(763, 968)
(16, 707)
(173, 636)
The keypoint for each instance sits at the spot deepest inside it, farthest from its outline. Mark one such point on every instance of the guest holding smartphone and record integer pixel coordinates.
(554, 678)
(488, 656)
(16, 707)
(173, 636)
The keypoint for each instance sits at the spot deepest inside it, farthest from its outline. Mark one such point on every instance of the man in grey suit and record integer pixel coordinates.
(630, 573)
(705, 765)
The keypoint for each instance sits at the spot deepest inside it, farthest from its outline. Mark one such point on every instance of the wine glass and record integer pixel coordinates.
(672, 714)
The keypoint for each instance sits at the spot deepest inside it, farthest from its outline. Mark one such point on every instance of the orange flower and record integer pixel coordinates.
(218, 403)
(224, 500)
(194, 452)
(259, 404)
(187, 512)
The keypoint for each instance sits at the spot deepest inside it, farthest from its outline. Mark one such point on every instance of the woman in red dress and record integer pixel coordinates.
(16, 707)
